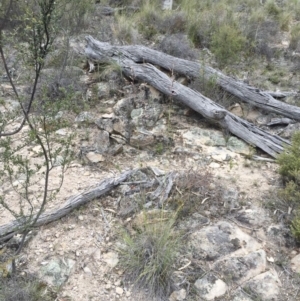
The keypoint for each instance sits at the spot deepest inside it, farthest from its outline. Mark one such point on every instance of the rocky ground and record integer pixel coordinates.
(236, 244)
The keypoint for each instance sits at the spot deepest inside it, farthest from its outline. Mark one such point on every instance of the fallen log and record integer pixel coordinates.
(142, 54)
(103, 52)
(9, 230)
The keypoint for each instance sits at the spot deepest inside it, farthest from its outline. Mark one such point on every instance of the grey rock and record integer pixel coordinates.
(295, 263)
(122, 127)
(119, 290)
(136, 113)
(111, 259)
(240, 296)
(242, 268)
(230, 198)
(102, 142)
(85, 117)
(199, 137)
(210, 287)
(87, 270)
(178, 295)
(115, 150)
(105, 124)
(128, 205)
(94, 157)
(255, 216)
(142, 140)
(118, 138)
(61, 132)
(265, 286)
(220, 156)
(212, 242)
(288, 131)
(193, 221)
(57, 271)
(238, 146)
(124, 107)
(102, 90)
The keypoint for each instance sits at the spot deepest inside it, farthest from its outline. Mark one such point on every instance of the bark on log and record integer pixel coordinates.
(100, 51)
(9, 230)
(103, 52)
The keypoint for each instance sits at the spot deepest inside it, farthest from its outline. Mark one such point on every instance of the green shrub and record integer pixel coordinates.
(227, 44)
(123, 29)
(148, 256)
(295, 227)
(291, 193)
(24, 289)
(272, 8)
(295, 37)
(289, 160)
(149, 19)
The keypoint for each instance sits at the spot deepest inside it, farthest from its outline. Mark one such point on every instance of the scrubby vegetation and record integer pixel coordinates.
(233, 35)
(289, 169)
(24, 289)
(148, 253)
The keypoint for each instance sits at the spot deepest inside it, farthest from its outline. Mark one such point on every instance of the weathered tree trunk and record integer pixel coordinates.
(141, 54)
(9, 230)
(103, 52)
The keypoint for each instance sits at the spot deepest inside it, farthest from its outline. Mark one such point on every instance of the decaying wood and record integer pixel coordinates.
(9, 230)
(144, 72)
(140, 54)
(163, 190)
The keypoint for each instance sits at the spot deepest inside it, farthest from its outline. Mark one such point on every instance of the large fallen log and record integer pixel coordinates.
(142, 54)
(9, 230)
(103, 52)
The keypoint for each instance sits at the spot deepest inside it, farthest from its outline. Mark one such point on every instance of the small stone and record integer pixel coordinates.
(214, 165)
(61, 132)
(37, 149)
(80, 217)
(237, 110)
(295, 264)
(94, 157)
(111, 259)
(87, 270)
(209, 287)
(128, 294)
(178, 295)
(119, 290)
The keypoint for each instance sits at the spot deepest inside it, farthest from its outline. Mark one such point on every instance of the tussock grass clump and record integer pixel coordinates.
(289, 169)
(295, 38)
(227, 43)
(123, 29)
(24, 289)
(289, 160)
(295, 226)
(148, 255)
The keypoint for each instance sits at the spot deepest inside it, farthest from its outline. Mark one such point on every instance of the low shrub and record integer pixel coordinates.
(19, 288)
(295, 226)
(295, 38)
(227, 44)
(148, 255)
(289, 160)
